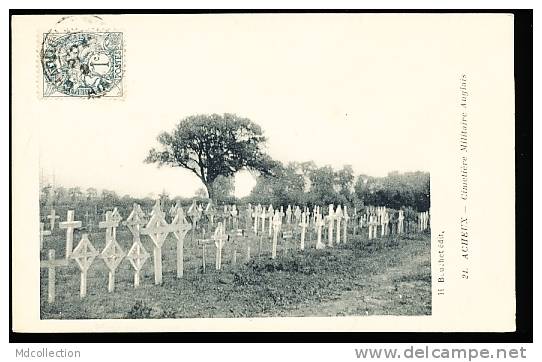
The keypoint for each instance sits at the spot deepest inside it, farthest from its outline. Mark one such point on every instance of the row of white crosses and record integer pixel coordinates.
(379, 216)
(423, 220)
(303, 220)
(156, 228)
(337, 216)
(70, 225)
(260, 214)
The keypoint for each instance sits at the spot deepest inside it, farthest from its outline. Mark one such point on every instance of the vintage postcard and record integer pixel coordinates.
(263, 172)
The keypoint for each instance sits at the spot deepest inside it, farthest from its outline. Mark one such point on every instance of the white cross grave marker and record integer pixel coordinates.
(256, 215)
(52, 217)
(195, 215)
(43, 233)
(210, 212)
(346, 217)
(263, 216)
(297, 214)
(219, 238)
(157, 229)
(289, 215)
(115, 217)
(331, 221)
(180, 226)
(137, 255)
(110, 225)
(51, 264)
(84, 254)
(385, 222)
(400, 220)
(276, 227)
(112, 256)
(234, 214)
(271, 215)
(319, 223)
(304, 224)
(203, 243)
(338, 217)
(70, 225)
(373, 226)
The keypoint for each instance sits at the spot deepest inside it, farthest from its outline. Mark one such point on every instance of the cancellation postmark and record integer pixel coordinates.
(83, 64)
(82, 57)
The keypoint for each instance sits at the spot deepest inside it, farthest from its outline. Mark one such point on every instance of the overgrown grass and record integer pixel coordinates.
(362, 277)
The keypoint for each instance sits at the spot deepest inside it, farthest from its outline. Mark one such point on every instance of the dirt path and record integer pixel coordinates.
(374, 294)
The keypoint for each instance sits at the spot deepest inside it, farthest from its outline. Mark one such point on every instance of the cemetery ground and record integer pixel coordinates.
(387, 276)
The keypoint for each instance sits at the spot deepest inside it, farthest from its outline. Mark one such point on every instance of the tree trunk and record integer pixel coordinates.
(210, 191)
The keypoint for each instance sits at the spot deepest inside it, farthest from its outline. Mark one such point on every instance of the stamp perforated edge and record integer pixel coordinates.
(102, 28)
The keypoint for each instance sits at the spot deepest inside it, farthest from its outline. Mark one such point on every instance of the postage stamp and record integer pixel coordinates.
(82, 64)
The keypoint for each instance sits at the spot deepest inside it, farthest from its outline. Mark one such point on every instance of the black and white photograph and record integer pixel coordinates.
(298, 168)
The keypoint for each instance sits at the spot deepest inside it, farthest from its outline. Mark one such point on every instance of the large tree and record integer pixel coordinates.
(213, 145)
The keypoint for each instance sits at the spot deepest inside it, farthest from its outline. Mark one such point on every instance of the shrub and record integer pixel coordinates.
(140, 310)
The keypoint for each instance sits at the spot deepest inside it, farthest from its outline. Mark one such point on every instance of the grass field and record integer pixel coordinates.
(390, 276)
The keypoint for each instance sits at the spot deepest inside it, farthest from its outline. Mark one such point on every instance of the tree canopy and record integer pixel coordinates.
(213, 145)
(395, 190)
(306, 184)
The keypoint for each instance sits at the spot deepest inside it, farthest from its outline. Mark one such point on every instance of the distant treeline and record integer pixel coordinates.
(306, 184)
(301, 184)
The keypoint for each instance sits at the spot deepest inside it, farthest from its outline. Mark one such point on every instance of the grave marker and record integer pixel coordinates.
(256, 215)
(70, 225)
(180, 226)
(297, 214)
(195, 215)
(173, 209)
(248, 217)
(51, 264)
(84, 254)
(304, 224)
(219, 237)
(156, 206)
(271, 214)
(289, 215)
(52, 217)
(110, 225)
(346, 217)
(338, 216)
(276, 227)
(385, 222)
(210, 212)
(319, 223)
(112, 256)
(157, 229)
(137, 255)
(263, 216)
(235, 217)
(331, 221)
(203, 243)
(373, 226)
(42, 234)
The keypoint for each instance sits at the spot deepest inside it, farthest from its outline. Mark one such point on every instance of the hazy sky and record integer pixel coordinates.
(336, 90)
